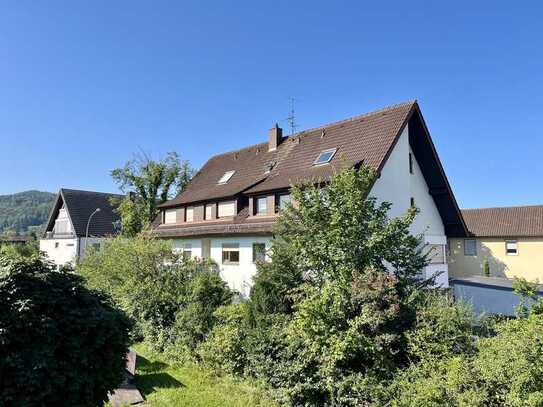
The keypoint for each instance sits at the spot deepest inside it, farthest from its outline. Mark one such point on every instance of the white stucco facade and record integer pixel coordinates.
(62, 246)
(238, 276)
(60, 251)
(397, 186)
(67, 250)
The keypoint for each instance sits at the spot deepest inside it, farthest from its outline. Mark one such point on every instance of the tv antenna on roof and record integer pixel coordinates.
(291, 119)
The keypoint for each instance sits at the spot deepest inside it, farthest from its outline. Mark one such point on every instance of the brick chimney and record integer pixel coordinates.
(275, 137)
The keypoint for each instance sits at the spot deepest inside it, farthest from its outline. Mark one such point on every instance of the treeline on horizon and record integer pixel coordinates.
(24, 212)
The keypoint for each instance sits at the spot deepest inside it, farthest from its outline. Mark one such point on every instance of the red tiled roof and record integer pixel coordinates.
(514, 221)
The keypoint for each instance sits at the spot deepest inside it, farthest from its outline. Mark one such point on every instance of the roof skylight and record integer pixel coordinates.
(325, 156)
(226, 177)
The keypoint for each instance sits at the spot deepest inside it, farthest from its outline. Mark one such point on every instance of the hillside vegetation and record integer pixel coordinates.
(24, 212)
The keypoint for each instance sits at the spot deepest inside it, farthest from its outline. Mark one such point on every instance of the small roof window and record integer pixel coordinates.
(226, 177)
(325, 156)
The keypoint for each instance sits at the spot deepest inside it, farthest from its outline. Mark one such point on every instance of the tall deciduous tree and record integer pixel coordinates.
(148, 183)
(346, 278)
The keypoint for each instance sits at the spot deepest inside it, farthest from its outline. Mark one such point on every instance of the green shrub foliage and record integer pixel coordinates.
(442, 328)
(505, 370)
(170, 298)
(224, 349)
(61, 344)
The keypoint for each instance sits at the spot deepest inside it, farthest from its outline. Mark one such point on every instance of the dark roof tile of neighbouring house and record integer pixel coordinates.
(513, 221)
(80, 205)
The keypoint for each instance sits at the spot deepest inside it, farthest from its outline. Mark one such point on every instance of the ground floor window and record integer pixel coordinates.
(230, 253)
(259, 252)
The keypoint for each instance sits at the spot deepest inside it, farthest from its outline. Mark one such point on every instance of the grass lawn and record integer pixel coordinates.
(164, 384)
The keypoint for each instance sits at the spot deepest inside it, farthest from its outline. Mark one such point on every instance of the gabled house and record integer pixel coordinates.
(508, 239)
(227, 211)
(78, 220)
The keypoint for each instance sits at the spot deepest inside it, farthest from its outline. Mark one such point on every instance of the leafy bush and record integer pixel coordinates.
(443, 328)
(530, 302)
(436, 383)
(510, 364)
(61, 343)
(205, 292)
(170, 298)
(224, 349)
(28, 249)
(505, 370)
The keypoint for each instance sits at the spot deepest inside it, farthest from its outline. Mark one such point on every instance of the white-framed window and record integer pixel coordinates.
(470, 247)
(261, 205)
(227, 208)
(511, 247)
(230, 253)
(259, 252)
(189, 214)
(208, 213)
(325, 156)
(282, 201)
(226, 177)
(170, 216)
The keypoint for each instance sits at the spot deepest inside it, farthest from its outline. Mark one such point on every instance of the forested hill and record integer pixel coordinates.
(24, 212)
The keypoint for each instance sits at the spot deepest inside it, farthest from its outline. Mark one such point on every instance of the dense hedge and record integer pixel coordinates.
(61, 344)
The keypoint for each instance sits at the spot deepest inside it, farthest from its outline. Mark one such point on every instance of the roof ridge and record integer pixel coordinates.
(350, 119)
(357, 117)
(502, 207)
(239, 150)
(90, 192)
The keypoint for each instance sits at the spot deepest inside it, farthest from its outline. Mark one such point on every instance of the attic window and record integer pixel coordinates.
(325, 156)
(226, 177)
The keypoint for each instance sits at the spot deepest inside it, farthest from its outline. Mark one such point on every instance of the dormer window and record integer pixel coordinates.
(325, 156)
(226, 177)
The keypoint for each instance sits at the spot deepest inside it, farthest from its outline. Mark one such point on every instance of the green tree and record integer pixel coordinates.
(349, 279)
(148, 183)
(335, 233)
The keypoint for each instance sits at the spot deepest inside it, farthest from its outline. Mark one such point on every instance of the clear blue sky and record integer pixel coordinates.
(84, 85)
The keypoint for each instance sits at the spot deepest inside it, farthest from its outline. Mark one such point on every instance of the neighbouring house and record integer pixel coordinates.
(509, 239)
(227, 211)
(66, 237)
